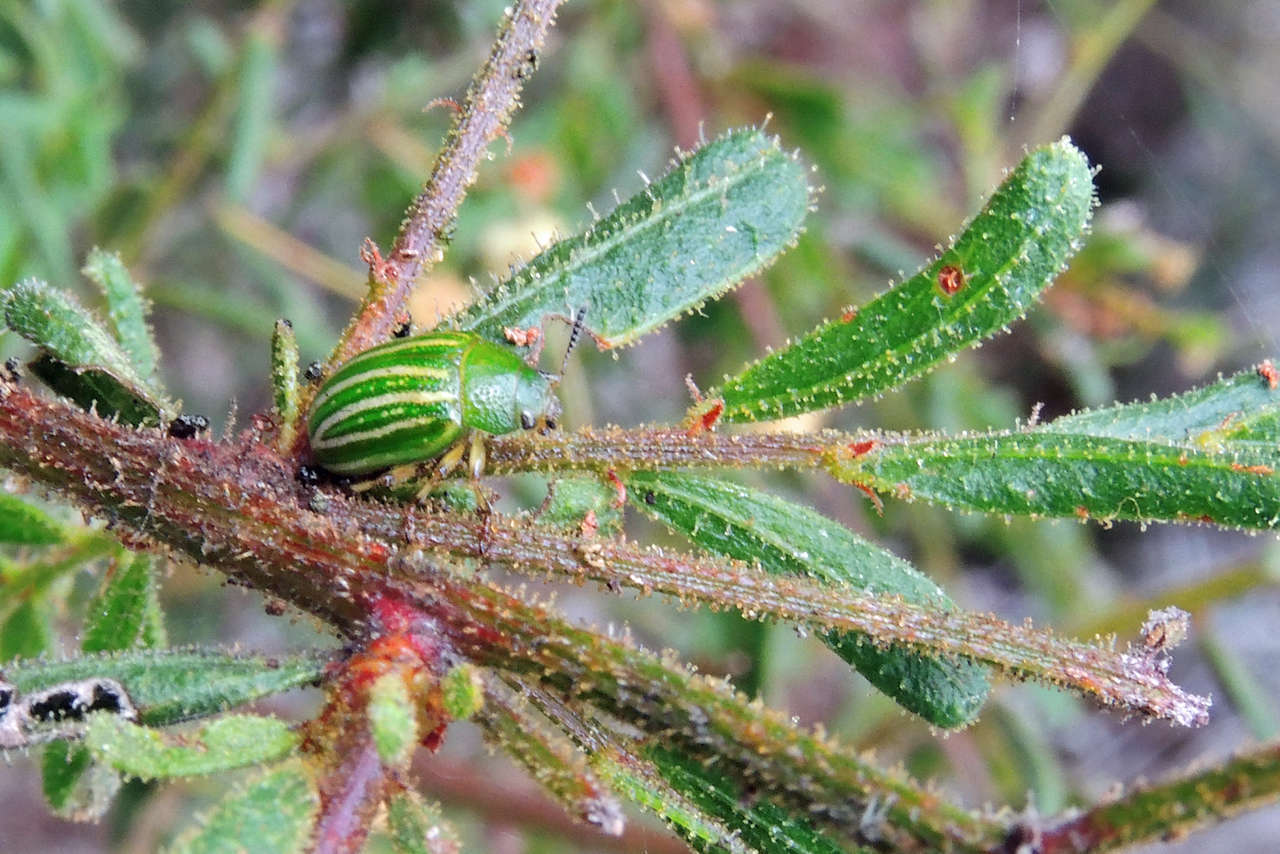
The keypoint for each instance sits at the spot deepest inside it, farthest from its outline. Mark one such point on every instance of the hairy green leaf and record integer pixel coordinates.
(1049, 473)
(81, 359)
(24, 524)
(526, 734)
(417, 827)
(759, 823)
(463, 691)
(118, 616)
(118, 613)
(392, 721)
(988, 278)
(98, 389)
(1239, 409)
(127, 310)
(171, 685)
(721, 214)
(786, 538)
(641, 784)
(273, 814)
(229, 742)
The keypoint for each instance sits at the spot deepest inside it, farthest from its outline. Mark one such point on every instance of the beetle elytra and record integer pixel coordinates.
(407, 401)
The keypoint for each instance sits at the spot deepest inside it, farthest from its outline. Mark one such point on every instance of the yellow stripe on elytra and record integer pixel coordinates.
(442, 340)
(411, 397)
(376, 433)
(412, 370)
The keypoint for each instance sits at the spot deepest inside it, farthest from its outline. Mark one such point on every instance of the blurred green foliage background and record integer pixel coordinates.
(237, 153)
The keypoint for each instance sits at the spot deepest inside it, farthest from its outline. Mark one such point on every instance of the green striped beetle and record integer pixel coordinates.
(409, 400)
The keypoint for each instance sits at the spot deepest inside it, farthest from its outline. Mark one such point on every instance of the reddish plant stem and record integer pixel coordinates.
(490, 102)
(1130, 682)
(355, 781)
(349, 795)
(648, 448)
(236, 506)
(273, 538)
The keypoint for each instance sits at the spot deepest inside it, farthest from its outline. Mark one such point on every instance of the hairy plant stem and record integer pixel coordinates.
(349, 795)
(490, 102)
(1129, 682)
(237, 507)
(1171, 809)
(625, 449)
(400, 541)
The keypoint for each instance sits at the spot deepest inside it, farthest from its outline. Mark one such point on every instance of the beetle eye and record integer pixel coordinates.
(551, 423)
(526, 420)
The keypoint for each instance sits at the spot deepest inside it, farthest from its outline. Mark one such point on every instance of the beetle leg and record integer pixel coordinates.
(389, 479)
(477, 455)
(438, 472)
(471, 447)
(451, 458)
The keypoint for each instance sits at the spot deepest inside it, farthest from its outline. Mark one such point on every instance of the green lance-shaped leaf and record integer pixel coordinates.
(122, 610)
(758, 822)
(510, 722)
(990, 275)
(720, 215)
(1048, 473)
(127, 311)
(23, 524)
(284, 380)
(1239, 410)
(171, 685)
(273, 814)
(81, 359)
(641, 784)
(229, 742)
(417, 827)
(785, 538)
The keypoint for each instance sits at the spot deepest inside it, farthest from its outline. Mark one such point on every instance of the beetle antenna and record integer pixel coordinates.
(574, 334)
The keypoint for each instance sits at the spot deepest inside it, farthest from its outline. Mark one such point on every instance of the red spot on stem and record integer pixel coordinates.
(863, 446)
(706, 420)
